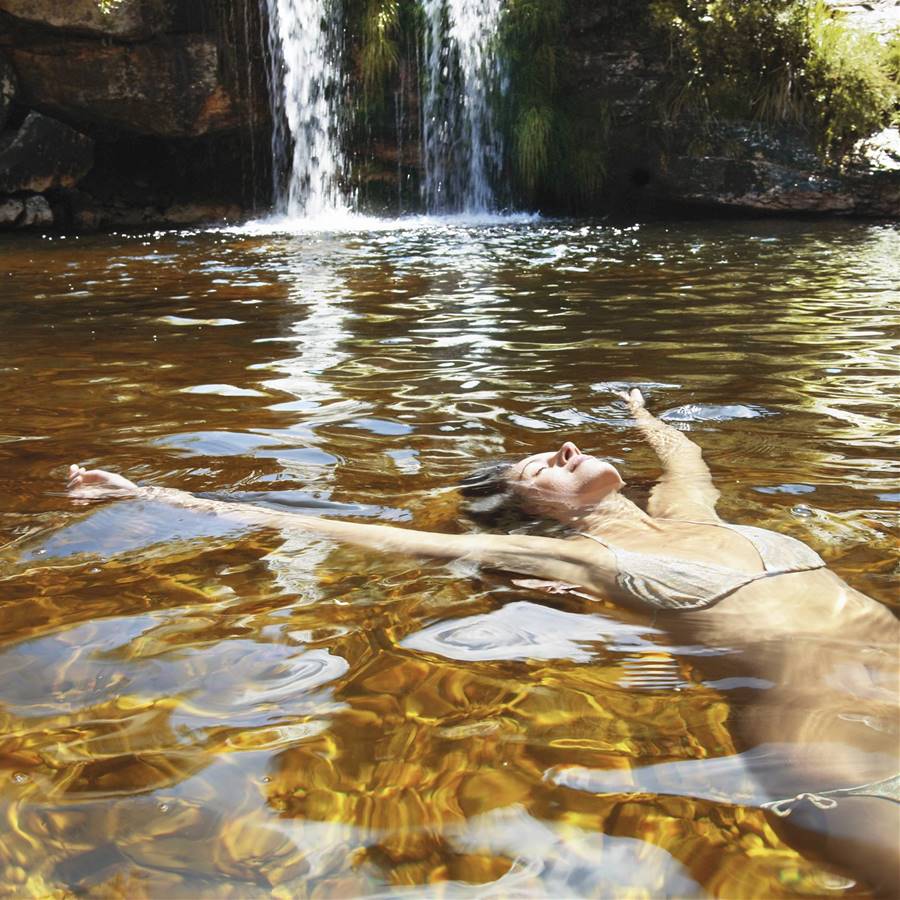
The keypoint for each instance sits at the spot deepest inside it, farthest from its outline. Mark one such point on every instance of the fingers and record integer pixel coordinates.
(634, 398)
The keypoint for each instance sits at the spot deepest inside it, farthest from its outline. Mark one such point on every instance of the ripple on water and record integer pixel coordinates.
(525, 630)
(711, 412)
(555, 859)
(786, 489)
(232, 443)
(380, 426)
(256, 685)
(113, 530)
(185, 321)
(222, 390)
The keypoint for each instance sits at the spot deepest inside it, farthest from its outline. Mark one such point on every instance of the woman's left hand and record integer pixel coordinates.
(634, 398)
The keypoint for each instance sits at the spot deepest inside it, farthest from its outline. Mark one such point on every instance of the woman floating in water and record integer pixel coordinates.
(824, 654)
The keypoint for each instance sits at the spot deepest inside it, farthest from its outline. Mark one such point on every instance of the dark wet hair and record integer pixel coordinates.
(487, 492)
(489, 499)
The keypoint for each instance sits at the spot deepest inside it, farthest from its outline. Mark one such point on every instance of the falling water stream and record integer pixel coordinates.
(305, 74)
(461, 143)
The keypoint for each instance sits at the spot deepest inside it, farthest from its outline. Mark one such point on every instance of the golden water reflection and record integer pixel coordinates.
(191, 710)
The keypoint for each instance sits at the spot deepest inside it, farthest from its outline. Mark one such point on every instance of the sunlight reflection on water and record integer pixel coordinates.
(193, 710)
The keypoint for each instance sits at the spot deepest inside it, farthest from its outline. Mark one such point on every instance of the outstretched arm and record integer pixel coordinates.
(546, 558)
(685, 489)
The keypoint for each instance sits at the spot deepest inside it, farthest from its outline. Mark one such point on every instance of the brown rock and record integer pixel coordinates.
(764, 186)
(44, 154)
(37, 213)
(168, 87)
(127, 19)
(200, 213)
(11, 209)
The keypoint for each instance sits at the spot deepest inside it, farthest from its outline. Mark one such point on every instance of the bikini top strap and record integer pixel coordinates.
(594, 537)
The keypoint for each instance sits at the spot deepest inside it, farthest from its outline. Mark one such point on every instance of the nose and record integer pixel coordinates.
(567, 452)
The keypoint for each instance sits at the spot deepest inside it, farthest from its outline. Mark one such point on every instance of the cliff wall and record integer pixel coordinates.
(155, 112)
(152, 112)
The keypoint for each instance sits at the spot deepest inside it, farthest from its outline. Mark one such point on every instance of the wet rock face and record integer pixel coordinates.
(763, 186)
(43, 154)
(143, 115)
(127, 19)
(168, 87)
(746, 167)
(11, 209)
(37, 213)
(8, 85)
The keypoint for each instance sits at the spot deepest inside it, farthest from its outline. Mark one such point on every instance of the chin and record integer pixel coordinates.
(605, 482)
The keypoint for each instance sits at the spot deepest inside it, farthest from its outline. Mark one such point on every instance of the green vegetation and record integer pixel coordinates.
(779, 62)
(557, 144)
(380, 35)
(379, 54)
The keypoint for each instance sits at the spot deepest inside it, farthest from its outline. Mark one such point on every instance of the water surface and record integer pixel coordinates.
(191, 709)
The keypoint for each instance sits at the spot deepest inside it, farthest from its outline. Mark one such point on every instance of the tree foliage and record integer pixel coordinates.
(778, 61)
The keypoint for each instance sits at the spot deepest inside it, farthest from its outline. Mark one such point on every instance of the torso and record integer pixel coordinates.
(685, 565)
(820, 664)
(804, 602)
(689, 540)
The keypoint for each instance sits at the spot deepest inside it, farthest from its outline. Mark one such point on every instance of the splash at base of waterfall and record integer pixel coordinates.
(343, 221)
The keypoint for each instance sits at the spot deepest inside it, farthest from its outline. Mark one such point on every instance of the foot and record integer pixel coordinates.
(97, 483)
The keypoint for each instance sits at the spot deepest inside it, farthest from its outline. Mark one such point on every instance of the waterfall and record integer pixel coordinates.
(461, 143)
(304, 84)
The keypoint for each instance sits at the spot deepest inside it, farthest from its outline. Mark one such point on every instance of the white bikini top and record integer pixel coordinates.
(669, 583)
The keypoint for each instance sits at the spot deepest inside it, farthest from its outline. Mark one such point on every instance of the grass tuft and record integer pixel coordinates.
(379, 56)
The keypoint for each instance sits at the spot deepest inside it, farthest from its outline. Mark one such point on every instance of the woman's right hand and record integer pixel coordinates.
(95, 484)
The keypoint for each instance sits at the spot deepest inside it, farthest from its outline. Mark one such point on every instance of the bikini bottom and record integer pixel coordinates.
(886, 789)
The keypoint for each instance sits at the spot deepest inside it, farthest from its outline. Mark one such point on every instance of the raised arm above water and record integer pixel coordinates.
(685, 489)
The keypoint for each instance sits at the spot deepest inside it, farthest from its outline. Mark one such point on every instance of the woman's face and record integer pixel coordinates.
(565, 478)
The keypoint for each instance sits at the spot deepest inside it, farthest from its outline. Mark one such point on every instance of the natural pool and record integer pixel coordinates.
(190, 709)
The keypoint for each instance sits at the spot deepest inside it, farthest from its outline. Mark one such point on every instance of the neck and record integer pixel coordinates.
(614, 512)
